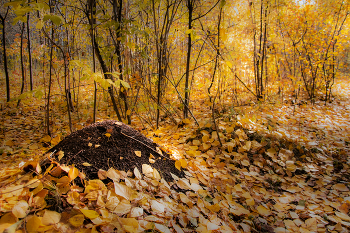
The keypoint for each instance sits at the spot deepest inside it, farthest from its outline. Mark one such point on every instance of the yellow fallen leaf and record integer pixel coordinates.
(178, 165)
(340, 187)
(113, 174)
(107, 135)
(77, 220)
(138, 153)
(156, 174)
(206, 146)
(157, 206)
(250, 202)
(90, 144)
(151, 160)
(245, 163)
(183, 163)
(33, 147)
(137, 173)
(136, 212)
(215, 208)
(147, 170)
(263, 211)
(129, 224)
(50, 217)
(230, 129)
(123, 190)
(271, 152)
(196, 142)
(311, 224)
(73, 173)
(47, 138)
(13, 227)
(33, 223)
(9, 143)
(91, 214)
(342, 216)
(87, 164)
(60, 155)
(112, 203)
(6, 221)
(20, 209)
(205, 138)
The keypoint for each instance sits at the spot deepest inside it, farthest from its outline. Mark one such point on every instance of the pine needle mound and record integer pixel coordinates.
(113, 144)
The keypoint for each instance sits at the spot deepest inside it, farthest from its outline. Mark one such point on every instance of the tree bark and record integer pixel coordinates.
(190, 4)
(29, 54)
(3, 19)
(22, 63)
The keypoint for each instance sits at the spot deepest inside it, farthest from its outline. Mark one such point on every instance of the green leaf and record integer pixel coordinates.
(23, 95)
(188, 31)
(110, 82)
(125, 84)
(103, 82)
(54, 18)
(19, 18)
(21, 11)
(114, 74)
(39, 94)
(222, 3)
(40, 24)
(14, 4)
(42, 6)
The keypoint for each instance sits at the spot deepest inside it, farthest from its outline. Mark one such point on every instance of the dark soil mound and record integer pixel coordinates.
(112, 144)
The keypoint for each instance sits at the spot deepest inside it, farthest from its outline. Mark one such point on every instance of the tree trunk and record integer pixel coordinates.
(22, 63)
(117, 10)
(29, 54)
(3, 18)
(188, 61)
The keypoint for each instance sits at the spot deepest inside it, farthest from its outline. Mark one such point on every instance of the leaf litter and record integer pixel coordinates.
(257, 181)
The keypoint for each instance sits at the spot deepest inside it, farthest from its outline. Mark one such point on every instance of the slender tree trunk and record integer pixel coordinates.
(92, 12)
(92, 7)
(29, 53)
(3, 19)
(188, 61)
(217, 55)
(50, 74)
(117, 9)
(22, 63)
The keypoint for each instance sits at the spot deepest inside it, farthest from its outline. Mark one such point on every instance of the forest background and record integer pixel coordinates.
(167, 66)
(154, 62)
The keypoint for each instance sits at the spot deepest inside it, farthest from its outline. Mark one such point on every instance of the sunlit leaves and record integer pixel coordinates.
(50, 217)
(91, 214)
(54, 18)
(77, 220)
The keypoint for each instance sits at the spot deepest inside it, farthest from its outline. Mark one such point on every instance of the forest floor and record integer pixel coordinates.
(280, 168)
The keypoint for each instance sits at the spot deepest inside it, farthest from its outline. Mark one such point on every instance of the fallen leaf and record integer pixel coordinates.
(77, 220)
(50, 218)
(20, 209)
(122, 190)
(263, 211)
(33, 223)
(73, 173)
(340, 187)
(157, 206)
(91, 214)
(138, 153)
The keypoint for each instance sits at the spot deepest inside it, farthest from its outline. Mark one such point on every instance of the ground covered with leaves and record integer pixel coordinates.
(265, 169)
